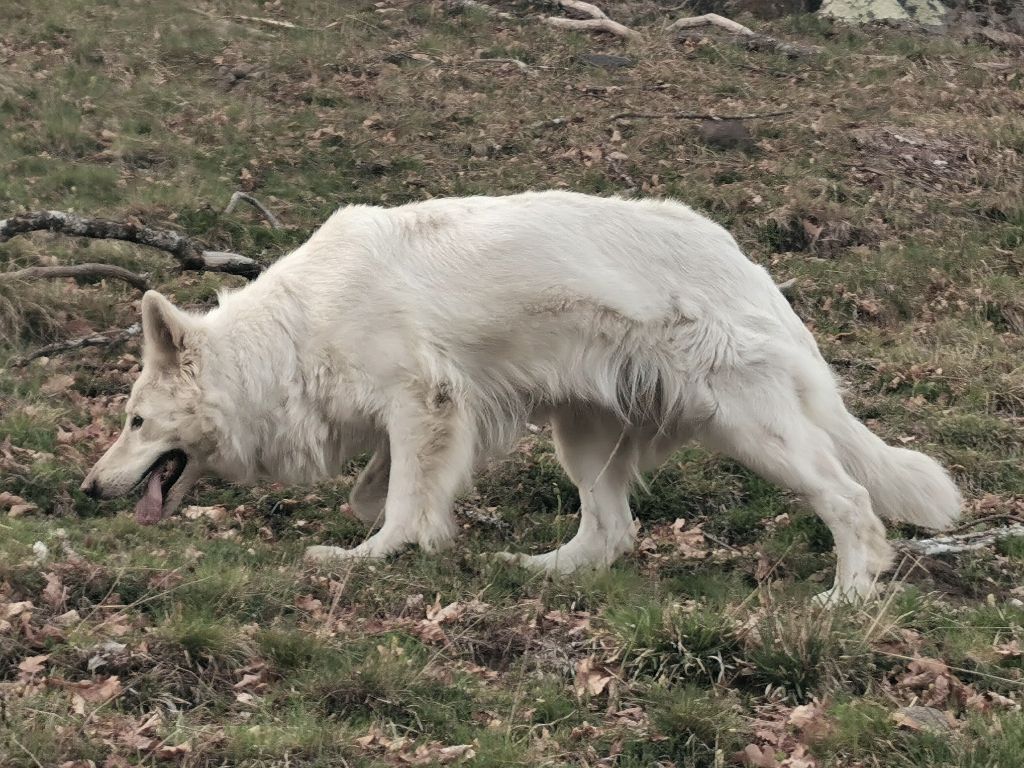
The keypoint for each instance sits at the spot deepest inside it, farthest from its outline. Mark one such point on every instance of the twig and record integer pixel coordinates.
(79, 270)
(269, 22)
(964, 542)
(986, 519)
(95, 340)
(598, 21)
(698, 115)
(718, 541)
(755, 40)
(274, 222)
(182, 248)
(522, 66)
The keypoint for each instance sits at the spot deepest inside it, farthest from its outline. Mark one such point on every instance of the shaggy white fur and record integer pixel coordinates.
(430, 333)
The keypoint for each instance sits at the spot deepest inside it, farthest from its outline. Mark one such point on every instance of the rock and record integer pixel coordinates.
(930, 13)
(606, 61)
(725, 134)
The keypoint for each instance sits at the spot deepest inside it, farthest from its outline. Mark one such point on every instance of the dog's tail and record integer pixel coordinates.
(904, 485)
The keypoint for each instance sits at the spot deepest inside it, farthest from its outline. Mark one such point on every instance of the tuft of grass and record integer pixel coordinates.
(666, 642)
(802, 652)
(694, 728)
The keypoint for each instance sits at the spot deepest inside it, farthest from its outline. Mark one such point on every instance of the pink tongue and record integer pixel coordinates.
(150, 508)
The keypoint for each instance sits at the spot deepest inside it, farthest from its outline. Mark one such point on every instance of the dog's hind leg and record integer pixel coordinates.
(432, 442)
(370, 491)
(599, 454)
(770, 434)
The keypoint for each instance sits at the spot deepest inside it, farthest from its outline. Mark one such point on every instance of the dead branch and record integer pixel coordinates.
(274, 222)
(95, 340)
(755, 41)
(598, 20)
(697, 115)
(268, 22)
(711, 19)
(79, 270)
(182, 248)
(963, 542)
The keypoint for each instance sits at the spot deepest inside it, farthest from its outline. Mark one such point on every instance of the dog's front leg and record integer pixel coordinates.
(432, 444)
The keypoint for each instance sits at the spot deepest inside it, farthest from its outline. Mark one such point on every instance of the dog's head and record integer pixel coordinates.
(165, 444)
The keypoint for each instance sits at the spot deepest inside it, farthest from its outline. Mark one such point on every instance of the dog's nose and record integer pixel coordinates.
(91, 488)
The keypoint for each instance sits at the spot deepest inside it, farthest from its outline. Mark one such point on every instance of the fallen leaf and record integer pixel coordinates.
(54, 593)
(689, 541)
(758, 757)
(924, 719)
(215, 513)
(33, 664)
(98, 691)
(591, 680)
(168, 751)
(56, 384)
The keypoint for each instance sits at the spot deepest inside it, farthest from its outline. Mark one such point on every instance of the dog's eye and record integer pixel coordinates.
(136, 422)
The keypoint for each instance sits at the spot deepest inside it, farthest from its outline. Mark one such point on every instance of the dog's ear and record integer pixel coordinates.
(164, 328)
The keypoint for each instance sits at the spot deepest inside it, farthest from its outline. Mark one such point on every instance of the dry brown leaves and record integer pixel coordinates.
(592, 678)
(404, 751)
(15, 505)
(784, 736)
(429, 629)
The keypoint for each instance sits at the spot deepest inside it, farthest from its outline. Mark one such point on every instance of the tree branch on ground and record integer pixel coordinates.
(93, 340)
(755, 41)
(598, 20)
(79, 270)
(963, 542)
(274, 222)
(189, 254)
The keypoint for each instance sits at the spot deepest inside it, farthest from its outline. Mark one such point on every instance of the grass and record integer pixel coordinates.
(908, 255)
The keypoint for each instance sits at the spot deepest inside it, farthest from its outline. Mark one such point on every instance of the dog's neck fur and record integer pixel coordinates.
(301, 426)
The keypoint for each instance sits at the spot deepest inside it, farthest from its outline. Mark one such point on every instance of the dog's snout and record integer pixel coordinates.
(91, 488)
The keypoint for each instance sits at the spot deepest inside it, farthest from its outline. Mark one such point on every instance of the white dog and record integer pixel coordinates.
(432, 332)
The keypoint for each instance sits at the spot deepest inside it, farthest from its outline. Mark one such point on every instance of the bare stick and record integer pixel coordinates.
(182, 248)
(269, 22)
(594, 25)
(698, 115)
(274, 222)
(711, 19)
(963, 542)
(587, 9)
(79, 270)
(95, 340)
(598, 21)
(755, 40)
